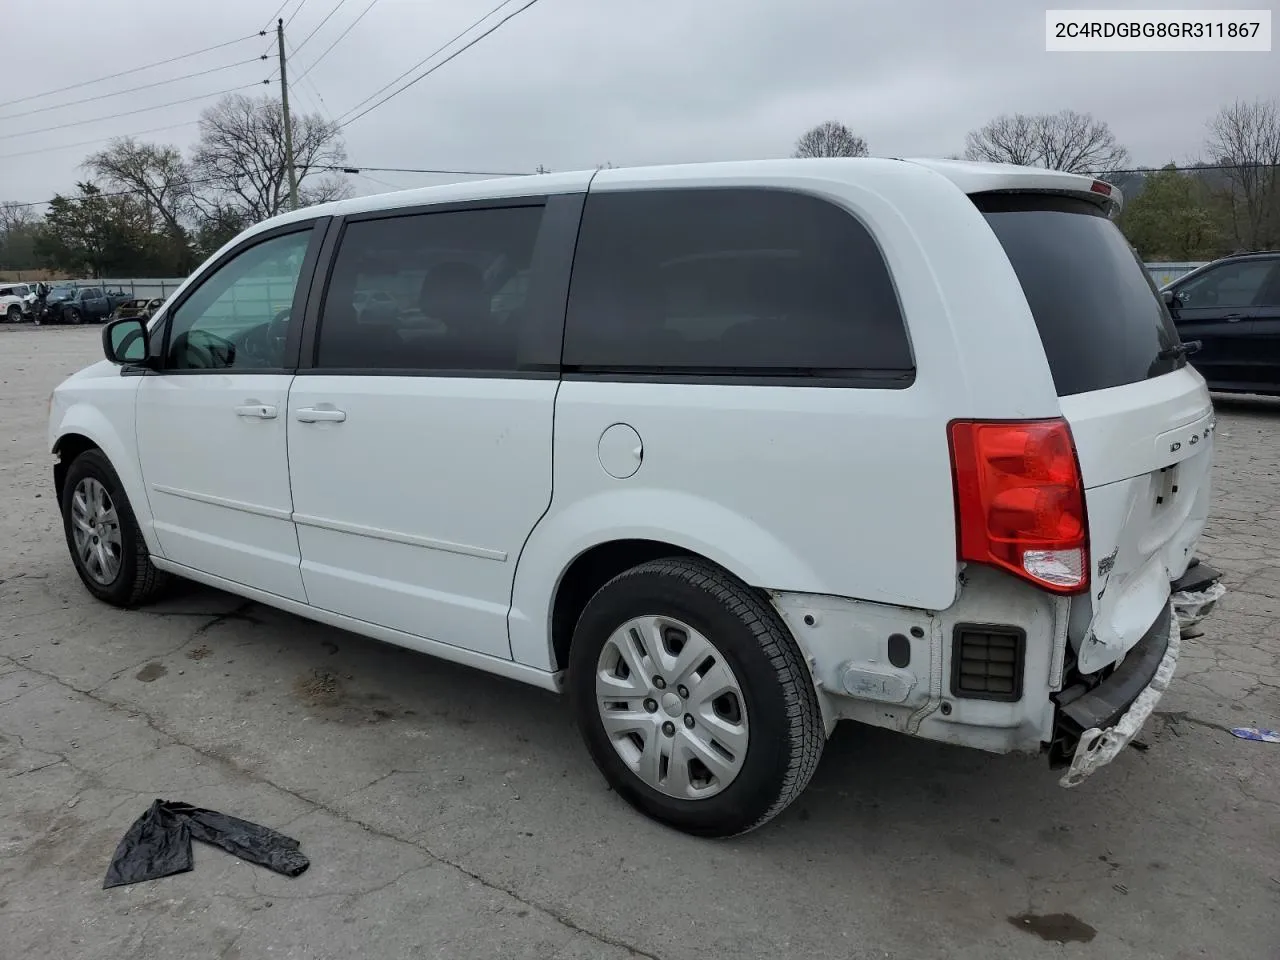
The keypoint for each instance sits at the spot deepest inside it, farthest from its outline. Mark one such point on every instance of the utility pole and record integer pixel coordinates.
(288, 124)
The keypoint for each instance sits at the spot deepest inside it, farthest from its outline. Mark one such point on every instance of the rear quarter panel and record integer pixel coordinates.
(829, 490)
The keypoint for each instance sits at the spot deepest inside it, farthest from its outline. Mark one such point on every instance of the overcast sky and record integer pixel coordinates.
(575, 83)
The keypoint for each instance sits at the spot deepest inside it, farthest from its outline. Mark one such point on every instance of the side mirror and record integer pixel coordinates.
(125, 341)
(1171, 300)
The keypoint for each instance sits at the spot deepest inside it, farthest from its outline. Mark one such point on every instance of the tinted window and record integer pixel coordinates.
(730, 281)
(1101, 320)
(430, 291)
(239, 315)
(1245, 283)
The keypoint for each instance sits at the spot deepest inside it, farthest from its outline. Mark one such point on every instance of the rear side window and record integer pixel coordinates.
(430, 291)
(737, 282)
(1100, 317)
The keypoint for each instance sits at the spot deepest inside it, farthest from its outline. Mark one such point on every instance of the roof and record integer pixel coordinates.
(969, 176)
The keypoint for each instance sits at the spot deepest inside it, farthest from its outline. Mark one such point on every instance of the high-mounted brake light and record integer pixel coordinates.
(1020, 500)
(1102, 187)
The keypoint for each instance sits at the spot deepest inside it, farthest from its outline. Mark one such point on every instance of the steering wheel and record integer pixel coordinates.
(266, 343)
(196, 355)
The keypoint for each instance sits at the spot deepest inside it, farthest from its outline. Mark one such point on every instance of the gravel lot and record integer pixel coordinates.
(452, 814)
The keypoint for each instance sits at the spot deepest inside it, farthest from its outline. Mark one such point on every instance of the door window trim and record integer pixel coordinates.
(549, 267)
(319, 227)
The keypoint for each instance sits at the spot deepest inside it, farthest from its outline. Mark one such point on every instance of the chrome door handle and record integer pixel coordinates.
(256, 411)
(318, 415)
(1233, 317)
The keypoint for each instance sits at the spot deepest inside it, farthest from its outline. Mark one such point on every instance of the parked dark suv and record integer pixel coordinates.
(1232, 306)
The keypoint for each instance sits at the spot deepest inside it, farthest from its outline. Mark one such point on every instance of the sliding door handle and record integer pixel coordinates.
(319, 415)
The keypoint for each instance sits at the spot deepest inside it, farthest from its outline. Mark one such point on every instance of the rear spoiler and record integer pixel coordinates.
(972, 177)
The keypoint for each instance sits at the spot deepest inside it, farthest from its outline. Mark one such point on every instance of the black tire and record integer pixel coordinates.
(73, 316)
(782, 712)
(137, 579)
(14, 314)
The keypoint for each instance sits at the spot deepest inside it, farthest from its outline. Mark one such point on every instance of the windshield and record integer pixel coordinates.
(1100, 317)
(61, 293)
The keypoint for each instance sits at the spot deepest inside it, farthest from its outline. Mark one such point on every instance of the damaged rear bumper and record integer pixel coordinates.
(1112, 713)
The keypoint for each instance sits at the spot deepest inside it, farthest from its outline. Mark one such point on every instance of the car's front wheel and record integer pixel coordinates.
(73, 316)
(106, 545)
(14, 314)
(693, 699)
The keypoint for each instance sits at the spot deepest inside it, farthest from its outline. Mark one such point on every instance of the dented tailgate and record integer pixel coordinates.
(1146, 451)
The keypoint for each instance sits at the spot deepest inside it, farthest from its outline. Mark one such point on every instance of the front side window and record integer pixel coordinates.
(239, 316)
(731, 282)
(1230, 285)
(430, 291)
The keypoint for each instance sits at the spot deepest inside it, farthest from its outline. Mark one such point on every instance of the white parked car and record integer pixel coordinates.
(750, 449)
(16, 301)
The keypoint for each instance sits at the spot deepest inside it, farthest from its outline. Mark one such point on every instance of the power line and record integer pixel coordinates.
(437, 50)
(336, 8)
(1188, 169)
(296, 10)
(356, 171)
(350, 27)
(323, 109)
(275, 16)
(86, 143)
(430, 70)
(122, 73)
(116, 193)
(382, 183)
(351, 168)
(118, 93)
(126, 113)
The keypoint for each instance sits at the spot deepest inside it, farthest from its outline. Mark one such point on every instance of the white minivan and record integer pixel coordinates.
(727, 452)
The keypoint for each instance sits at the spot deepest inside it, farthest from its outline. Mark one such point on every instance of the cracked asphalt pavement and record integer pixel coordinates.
(452, 814)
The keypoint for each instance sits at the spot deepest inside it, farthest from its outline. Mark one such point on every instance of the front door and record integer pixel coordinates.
(1216, 308)
(211, 423)
(420, 441)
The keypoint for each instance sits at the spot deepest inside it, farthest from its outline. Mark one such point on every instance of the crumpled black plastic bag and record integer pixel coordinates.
(158, 844)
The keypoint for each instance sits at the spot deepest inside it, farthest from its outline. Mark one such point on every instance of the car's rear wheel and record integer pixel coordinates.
(106, 545)
(14, 313)
(693, 699)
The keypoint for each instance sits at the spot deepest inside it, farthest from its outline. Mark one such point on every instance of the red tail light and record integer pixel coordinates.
(1020, 501)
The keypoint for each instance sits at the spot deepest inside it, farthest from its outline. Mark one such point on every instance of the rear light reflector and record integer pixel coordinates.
(1102, 187)
(1020, 500)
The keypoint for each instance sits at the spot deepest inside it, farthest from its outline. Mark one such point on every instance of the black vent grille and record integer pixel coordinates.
(986, 662)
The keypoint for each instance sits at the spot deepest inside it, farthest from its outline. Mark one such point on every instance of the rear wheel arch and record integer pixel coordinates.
(591, 570)
(594, 567)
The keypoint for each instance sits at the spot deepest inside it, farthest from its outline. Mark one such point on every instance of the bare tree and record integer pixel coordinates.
(830, 139)
(15, 216)
(1244, 140)
(1009, 138)
(240, 156)
(158, 176)
(1066, 140)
